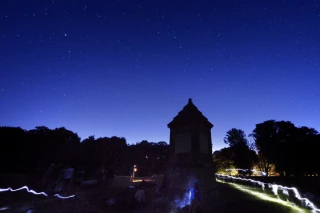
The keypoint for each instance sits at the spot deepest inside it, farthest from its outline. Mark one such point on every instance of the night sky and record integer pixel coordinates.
(127, 67)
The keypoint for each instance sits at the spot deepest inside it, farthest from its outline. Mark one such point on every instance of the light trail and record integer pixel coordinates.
(4, 208)
(267, 198)
(34, 192)
(64, 197)
(24, 187)
(275, 188)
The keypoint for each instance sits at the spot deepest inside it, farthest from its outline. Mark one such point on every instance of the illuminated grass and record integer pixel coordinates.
(275, 190)
(263, 201)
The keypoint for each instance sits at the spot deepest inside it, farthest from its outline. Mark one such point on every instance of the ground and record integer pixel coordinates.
(94, 199)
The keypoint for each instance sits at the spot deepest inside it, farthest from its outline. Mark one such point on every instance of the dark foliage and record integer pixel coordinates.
(32, 151)
(241, 154)
(293, 150)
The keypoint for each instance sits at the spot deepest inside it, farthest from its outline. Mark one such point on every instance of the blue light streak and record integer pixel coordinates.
(34, 192)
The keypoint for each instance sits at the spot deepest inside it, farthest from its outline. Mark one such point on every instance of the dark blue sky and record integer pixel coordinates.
(126, 67)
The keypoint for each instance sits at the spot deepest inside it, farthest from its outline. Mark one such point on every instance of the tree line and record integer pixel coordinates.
(32, 151)
(290, 150)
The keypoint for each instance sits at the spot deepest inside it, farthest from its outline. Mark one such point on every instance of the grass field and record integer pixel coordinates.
(228, 199)
(238, 199)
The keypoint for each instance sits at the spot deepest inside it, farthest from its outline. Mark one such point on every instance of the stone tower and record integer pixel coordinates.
(191, 150)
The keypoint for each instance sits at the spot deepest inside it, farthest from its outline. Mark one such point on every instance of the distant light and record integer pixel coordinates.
(146, 157)
(246, 170)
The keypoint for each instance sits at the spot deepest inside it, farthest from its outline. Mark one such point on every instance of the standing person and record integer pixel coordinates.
(68, 175)
(46, 180)
(60, 176)
(54, 176)
(110, 176)
(140, 195)
(131, 174)
(79, 177)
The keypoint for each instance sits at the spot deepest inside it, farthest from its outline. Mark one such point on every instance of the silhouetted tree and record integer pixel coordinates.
(34, 150)
(235, 137)
(149, 156)
(67, 145)
(31, 152)
(14, 151)
(289, 148)
(243, 157)
(104, 152)
(264, 135)
(305, 158)
(223, 159)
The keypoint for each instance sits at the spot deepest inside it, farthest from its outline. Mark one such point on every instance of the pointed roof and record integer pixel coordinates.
(190, 114)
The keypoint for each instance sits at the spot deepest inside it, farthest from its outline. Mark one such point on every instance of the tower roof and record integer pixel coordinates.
(190, 114)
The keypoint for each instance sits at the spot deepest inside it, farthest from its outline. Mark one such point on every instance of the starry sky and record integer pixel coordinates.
(127, 67)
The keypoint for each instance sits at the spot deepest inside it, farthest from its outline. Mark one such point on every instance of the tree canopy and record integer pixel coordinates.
(278, 145)
(24, 151)
(238, 154)
(291, 149)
